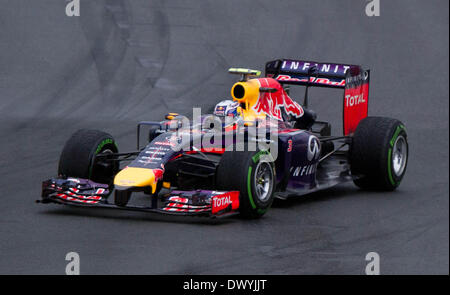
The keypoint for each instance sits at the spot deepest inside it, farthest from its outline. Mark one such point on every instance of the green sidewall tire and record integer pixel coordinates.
(371, 153)
(236, 171)
(78, 154)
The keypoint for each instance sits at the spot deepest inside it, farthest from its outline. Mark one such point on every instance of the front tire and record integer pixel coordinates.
(78, 156)
(379, 153)
(253, 175)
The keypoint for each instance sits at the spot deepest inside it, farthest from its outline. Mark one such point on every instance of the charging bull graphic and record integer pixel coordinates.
(270, 102)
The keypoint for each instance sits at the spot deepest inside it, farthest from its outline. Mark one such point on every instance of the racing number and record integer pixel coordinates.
(289, 146)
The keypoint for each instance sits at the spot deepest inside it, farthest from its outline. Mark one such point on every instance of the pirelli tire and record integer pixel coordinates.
(379, 153)
(78, 156)
(253, 175)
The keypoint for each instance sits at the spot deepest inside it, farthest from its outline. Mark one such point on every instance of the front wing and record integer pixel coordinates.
(86, 193)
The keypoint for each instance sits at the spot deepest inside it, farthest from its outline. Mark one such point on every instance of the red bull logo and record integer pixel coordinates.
(270, 103)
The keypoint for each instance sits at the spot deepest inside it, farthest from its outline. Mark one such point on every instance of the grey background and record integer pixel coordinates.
(123, 61)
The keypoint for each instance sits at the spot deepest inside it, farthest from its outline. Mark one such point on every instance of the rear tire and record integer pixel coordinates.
(78, 154)
(253, 175)
(379, 153)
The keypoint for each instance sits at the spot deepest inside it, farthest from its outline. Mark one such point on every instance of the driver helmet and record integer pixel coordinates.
(226, 108)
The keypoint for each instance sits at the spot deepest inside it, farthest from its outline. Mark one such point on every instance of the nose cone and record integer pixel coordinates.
(136, 177)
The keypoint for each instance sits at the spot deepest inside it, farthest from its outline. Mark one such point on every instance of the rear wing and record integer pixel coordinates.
(352, 78)
(298, 72)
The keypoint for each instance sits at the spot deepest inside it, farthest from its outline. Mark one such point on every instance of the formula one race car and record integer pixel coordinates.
(256, 147)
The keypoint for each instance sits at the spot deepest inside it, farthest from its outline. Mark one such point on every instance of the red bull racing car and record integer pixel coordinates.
(257, 146)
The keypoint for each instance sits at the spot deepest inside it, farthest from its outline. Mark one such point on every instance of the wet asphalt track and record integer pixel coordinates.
(128, 60)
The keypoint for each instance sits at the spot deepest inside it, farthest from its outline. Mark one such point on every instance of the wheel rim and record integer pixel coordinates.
(107, 151)
(399, 156)
(263, 181)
